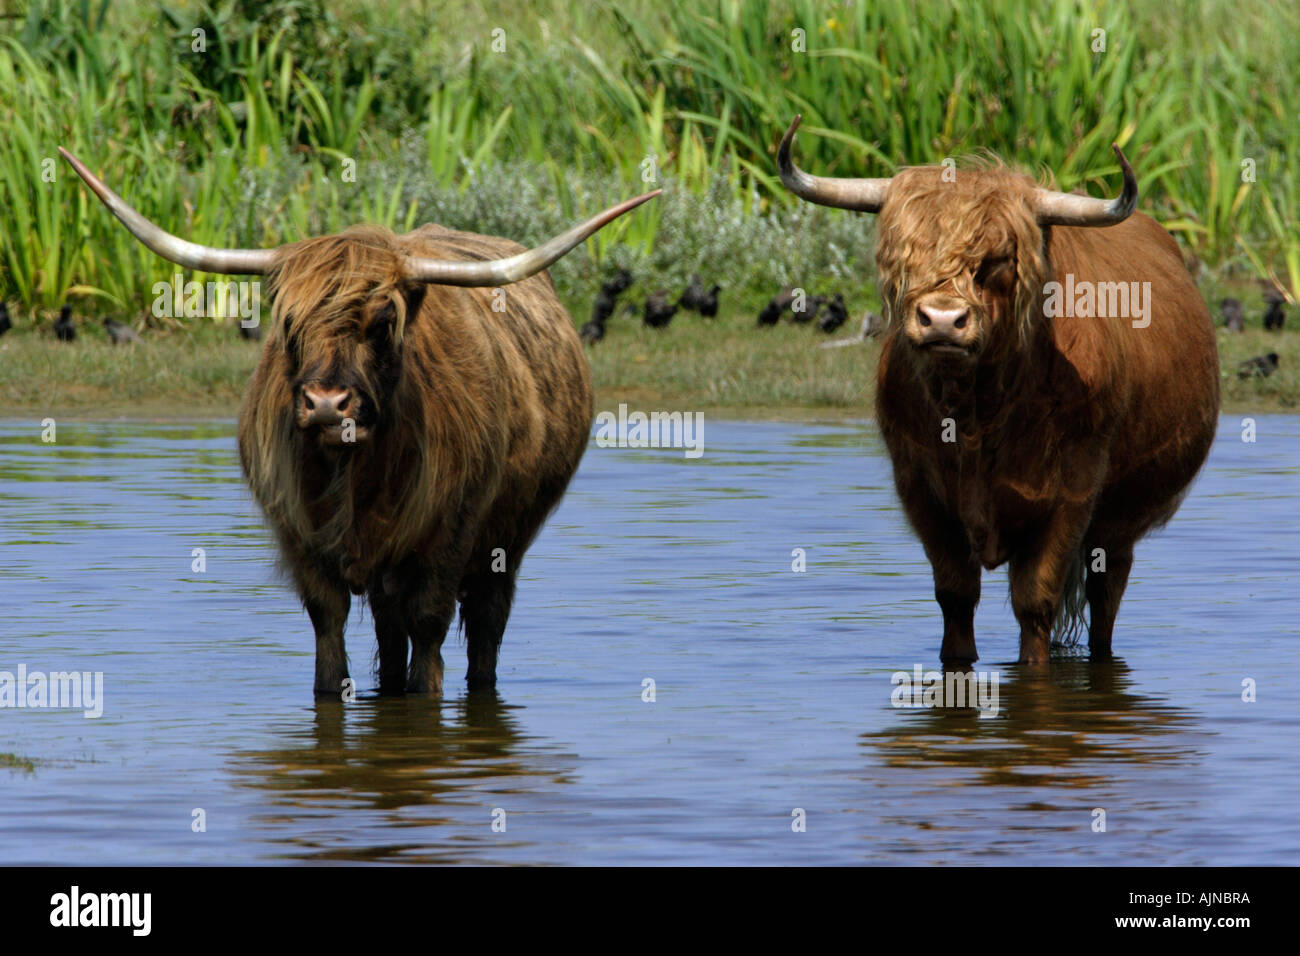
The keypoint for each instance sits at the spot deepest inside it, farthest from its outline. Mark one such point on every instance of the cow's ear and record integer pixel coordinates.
(413, 294)
(388, 317)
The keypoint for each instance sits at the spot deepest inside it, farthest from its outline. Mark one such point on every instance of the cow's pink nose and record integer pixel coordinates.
(326, 406)
(945, 326)
(943, 321)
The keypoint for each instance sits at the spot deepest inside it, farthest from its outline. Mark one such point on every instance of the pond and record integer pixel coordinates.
(769, 735)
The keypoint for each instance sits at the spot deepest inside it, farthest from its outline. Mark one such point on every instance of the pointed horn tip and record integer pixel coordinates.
(1129, 193)
(626, 206)
(783, 161)
(788, 138)
(82, 170)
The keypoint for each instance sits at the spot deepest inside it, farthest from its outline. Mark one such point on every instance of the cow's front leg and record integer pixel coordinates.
(327, 605)
(957, 589)
(956, 580)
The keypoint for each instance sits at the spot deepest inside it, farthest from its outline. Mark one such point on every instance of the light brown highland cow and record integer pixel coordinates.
(405, 439)
(1048, 386)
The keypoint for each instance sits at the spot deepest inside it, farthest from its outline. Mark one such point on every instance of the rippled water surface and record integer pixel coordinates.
(773, 688)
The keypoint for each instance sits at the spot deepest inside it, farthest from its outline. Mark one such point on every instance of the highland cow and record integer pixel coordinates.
(409, 427)
(1020, 434)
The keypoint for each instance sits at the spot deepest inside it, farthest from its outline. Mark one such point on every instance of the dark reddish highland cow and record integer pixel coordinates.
(1024, 429)
(409, 427)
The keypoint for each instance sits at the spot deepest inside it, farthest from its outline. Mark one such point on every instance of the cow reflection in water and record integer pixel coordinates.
(389, 779)
(1068, 728)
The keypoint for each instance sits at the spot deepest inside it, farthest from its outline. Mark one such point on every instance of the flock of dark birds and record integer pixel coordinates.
(659, 307)
(65, 327)
(828, 311)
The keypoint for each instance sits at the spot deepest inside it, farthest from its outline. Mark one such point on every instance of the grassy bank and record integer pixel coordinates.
(723, 367)
(251, 123)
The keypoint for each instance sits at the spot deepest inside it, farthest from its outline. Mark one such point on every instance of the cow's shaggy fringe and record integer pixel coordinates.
(947, 228)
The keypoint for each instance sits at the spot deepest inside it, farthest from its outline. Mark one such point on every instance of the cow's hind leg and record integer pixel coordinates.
(390, 631)
(1038, 579)
(428, 616)
(485, 607)
(1105, 589)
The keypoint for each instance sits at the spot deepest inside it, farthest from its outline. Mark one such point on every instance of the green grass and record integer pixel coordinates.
(247, 142)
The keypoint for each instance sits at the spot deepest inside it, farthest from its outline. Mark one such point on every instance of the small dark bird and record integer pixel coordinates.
(1262, 366)
(118, 333)
(1234, 318)
(65, 328)
(659, 310)
(1275, 316)
(618, 285)
(708, 302)
(777, 307)
(690, 299)
(835, 314)
(872, 325)
(603, 307)
(251, 332)
(5, 322)
(811, 306)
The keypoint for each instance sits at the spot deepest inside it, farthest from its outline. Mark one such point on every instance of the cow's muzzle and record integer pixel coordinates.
(333, 413)
(945, 331)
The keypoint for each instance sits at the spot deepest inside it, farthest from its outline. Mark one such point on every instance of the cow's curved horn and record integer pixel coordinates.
(172, 248)
(1068, 209)
(504, 271)
(863, 195)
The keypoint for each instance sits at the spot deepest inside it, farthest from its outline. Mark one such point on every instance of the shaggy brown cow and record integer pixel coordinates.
(1022, 432)
(405, 444)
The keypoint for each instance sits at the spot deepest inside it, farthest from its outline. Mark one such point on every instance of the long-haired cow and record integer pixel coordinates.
(409, 427)
(1047, 389)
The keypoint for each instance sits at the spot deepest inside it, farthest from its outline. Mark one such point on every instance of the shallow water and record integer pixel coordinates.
(772, 688)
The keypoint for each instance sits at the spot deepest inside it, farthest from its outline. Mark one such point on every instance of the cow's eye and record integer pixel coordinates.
(996, 273)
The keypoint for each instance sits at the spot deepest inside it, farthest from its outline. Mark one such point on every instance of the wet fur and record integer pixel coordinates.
(479, 421)
(1073, 433)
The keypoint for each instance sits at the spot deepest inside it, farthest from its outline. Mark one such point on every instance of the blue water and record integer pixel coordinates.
(772, 687)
